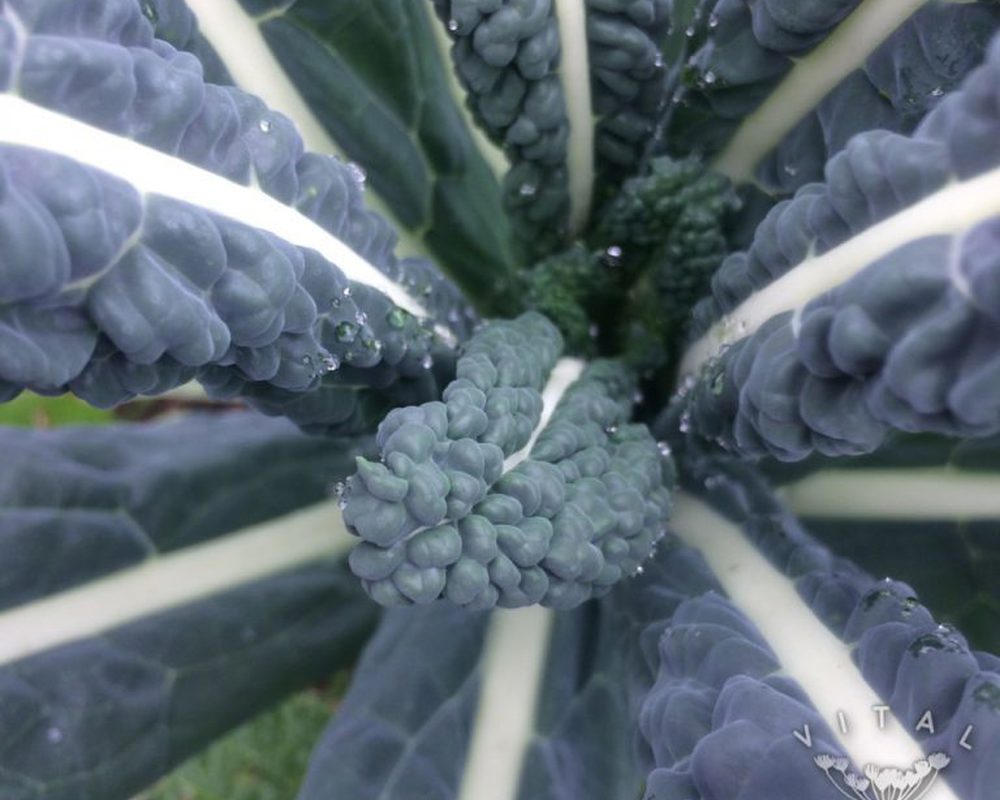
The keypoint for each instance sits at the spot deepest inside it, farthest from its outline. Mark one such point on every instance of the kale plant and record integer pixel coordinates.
(575, 369)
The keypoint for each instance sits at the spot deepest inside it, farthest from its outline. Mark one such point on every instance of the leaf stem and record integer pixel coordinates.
(950, 211)
(316, 533)
(513, 663)
(809, 81)
(808, 651)
(150, 171)
(574, 75)
(237, 38)
(901, 493)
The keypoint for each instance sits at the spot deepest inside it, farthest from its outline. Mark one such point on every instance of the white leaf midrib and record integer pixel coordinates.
(812, 77)
(903, 494)
(808, 651)
(512, 667)
(150, 171)
(566, 371)
(951, 210)
(237, 39)
(574, 77)
(310, 535)
(563, 374)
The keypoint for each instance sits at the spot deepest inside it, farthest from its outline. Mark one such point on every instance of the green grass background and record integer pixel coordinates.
(263, 760)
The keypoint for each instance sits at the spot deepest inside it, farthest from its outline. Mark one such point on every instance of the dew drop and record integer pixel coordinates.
(361, 318)
(612, 255)
(639, 570)
(346, 332)
(937, 91)
(709, 77)
(427, 362)
(611, 430)
(357, 173)
(791, 170)
(713, 21)
(453, 25)
(658, 60)
(347, 291)
(396, 318)
(264, 125)
(330, 362)
(685, 423)
(337, 489)
(689, 31)
(527, 190)
(664, 449)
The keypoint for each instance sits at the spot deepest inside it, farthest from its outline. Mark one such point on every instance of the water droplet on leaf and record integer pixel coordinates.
(357, 173)
(396, 318)
(346, 332)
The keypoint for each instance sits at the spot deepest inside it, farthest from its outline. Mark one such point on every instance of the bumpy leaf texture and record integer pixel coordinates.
(906, 337)
(733, 692)
(372, 75)
(455, 511)
(587, 613)
(507, 56)
(113, 290)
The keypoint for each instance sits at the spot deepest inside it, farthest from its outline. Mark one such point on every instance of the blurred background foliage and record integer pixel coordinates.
(266, 758)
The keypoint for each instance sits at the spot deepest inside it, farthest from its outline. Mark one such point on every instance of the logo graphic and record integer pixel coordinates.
(882, 783)
(886, 783)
